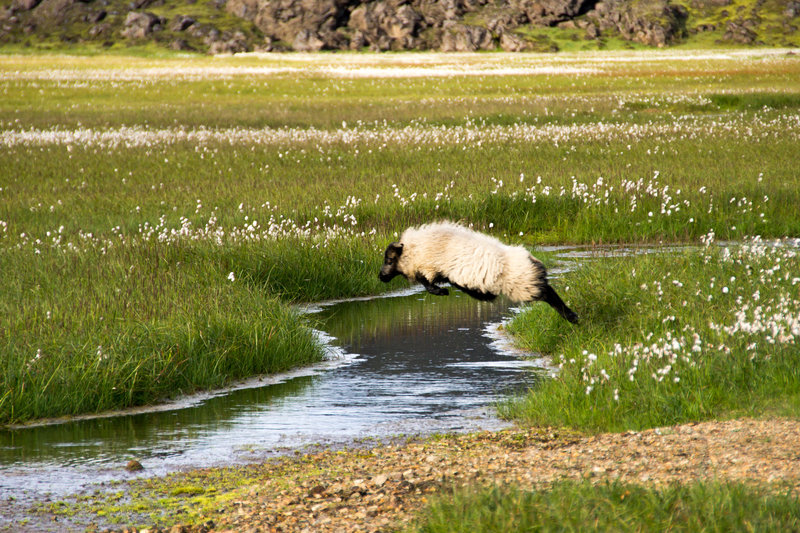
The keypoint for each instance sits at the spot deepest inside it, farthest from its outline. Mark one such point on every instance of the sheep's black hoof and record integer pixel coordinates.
(442, 292)
(571, 316)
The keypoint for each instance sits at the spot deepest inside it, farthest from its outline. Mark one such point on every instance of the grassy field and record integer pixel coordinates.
(151, 243)
(158, 217)
(670, 338)
(614, 506)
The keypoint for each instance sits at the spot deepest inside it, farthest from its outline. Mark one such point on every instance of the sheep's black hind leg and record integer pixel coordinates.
(551, 297)
(431, 287)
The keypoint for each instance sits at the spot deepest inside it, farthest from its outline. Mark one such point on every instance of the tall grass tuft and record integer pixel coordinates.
(114, 330)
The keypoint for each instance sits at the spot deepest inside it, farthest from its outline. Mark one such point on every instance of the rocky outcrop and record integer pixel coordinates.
(513, 43)
(311, 25)
(741, 32)
(463, 38)
(180, 23)
(306, 23)
(548, 12)
(24, 5)
(382, 27)
(140, 25)
(378, 25)
(651, 22)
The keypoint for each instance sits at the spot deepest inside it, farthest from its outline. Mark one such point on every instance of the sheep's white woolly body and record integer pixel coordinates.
(472, 260)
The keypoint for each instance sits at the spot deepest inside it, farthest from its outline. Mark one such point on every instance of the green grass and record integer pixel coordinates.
(669, 338)
(312, 99)
(613, 506)
(92, 331)
(117, 258)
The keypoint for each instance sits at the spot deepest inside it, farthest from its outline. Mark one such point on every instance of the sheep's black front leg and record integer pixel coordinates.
(431, 287)
(551, 297)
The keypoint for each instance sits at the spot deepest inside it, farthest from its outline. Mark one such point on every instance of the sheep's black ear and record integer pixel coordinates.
(395, 249)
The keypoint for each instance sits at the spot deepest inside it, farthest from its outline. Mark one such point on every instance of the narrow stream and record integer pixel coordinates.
(406, 364)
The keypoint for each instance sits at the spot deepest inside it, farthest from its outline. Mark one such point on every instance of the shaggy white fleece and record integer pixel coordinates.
(471, 259)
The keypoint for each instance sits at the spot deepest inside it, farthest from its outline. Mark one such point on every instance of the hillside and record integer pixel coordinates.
(220, 26)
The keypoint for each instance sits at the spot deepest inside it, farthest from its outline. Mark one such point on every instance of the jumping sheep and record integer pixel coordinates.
(479, 265)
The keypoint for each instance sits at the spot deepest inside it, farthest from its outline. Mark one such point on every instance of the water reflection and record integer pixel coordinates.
(420, 314)
(99, 440)
(413, 364)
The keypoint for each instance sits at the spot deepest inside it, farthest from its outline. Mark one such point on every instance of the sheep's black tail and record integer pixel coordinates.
(551, 297)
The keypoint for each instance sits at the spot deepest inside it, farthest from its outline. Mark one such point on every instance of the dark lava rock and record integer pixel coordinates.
(181, 44)
(739, 32)
(510, 42)
(226, 43)
(651, 22)
(100, 30)
(547, 12)
(139, 25)
(97, 16)
(311, 25)
(24, 5)
(463, 38)
(181, 23)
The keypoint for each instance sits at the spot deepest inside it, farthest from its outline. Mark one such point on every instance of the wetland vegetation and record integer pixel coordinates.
(159, 217)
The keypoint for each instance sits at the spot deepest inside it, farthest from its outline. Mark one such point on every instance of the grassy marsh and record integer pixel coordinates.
(190, 214)
(671, 338)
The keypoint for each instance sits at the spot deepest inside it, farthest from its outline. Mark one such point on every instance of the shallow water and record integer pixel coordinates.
(401, 365)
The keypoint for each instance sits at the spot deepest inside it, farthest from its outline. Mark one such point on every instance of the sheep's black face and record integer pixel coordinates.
(390, 258)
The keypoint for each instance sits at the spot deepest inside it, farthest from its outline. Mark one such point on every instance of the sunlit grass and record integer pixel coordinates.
(151, 243)
(91, 331)
(613, 506)
(669, 338)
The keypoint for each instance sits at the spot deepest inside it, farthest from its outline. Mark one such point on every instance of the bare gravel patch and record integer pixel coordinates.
(381, 489)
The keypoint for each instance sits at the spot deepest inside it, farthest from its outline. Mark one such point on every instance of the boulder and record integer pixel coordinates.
(463, 38)
(499, 23)
(134, 466)
(382, 26)
(547, 12)
(24, 5)
(739, 32)
(97, 16)
(307, 41)
(651, 22)
(510, 42)
(286, 19)
(181, 45)
(358, 41)
(139, 25)
(180, 23)
(50, 13)
(246, 9)
(100, 30)
(226, 43)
